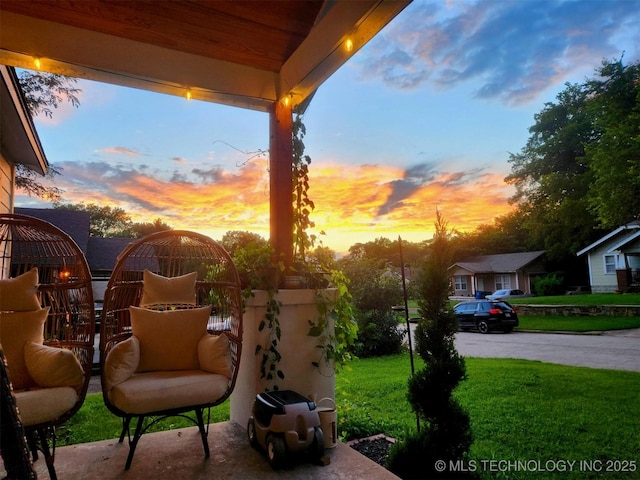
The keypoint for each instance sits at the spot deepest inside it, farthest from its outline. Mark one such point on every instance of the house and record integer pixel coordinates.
(495, 272)
(614, 260)
(101, 253)
(19, 140)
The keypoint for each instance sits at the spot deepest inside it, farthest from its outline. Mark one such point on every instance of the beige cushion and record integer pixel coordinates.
(121, 362)
(169, 339)
(157, 391)
(44, 404)
(214, 354)
(16, 329)
(20, 294)
(157, 289)
(53, 367)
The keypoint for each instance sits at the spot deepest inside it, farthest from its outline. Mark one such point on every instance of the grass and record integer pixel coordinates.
(93, 422)
(520, 410)
(587, 299)
(577, 324)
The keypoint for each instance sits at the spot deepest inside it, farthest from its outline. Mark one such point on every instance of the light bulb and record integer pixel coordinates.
(348, 45)
(36, 63)
(188, 94)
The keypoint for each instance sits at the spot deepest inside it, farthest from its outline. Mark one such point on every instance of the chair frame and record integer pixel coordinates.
(64, 286)
(171, 253)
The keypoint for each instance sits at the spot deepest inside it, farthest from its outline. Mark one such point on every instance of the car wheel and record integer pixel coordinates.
(507, 329)
(317, 447)
(483, 326)
(276, 451)
(251, 433)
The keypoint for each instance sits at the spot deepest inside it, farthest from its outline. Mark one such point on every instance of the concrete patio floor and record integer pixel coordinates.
(178, 455)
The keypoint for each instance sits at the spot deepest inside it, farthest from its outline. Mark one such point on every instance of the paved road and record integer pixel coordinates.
(614, 350)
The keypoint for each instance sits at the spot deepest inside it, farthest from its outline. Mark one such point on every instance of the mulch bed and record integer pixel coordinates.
(375, 448)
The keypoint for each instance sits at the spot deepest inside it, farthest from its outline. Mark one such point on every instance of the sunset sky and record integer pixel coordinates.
(423, 117)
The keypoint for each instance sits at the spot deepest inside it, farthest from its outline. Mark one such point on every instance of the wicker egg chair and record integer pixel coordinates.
(171, 255)
(65, 288)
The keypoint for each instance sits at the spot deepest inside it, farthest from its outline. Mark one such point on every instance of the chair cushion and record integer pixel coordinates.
(157, 289)
(157, 391)
(20, 294)
(53, 367)
(169, 339)
(214, 354)
(121, 362)
(16, 329)
(44, 404)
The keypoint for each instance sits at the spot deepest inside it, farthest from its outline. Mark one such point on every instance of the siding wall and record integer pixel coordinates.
(601, 282)
(7, 172)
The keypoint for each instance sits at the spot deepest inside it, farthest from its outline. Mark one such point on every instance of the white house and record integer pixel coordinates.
(614, 260)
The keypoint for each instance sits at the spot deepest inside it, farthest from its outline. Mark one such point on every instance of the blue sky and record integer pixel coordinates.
(423, 117)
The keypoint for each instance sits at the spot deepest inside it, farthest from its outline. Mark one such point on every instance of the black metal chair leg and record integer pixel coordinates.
(133, 443)
(203, 432)
(49, 457)
(125, 428)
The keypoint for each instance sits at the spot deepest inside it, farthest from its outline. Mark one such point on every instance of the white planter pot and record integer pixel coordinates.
(298, 351)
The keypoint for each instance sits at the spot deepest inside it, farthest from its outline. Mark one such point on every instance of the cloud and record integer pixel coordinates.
(373, 199)
(120, 151)
(514, 50)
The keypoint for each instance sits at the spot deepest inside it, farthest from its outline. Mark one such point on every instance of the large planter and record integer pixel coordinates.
(298, 351)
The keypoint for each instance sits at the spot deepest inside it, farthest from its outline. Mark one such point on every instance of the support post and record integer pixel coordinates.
(281, 181)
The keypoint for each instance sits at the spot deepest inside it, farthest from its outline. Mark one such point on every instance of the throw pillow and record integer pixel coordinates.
(169, 339)
(121, 362)
(20, 294)
(16, 329)
(157, 289)
(53, 367)
(214, 354)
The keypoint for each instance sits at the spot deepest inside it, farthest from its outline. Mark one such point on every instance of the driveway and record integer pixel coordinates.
(612, 350)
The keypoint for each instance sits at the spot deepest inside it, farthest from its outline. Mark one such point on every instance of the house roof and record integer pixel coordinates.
(19, 140)
(73, 223)
(500, 263)
(625, 231)
(243, 53)
(103, 252)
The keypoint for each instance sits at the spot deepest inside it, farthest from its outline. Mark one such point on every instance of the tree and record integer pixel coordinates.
(143, 229)
(235, 239)
(109, 222)
(614, 160)
(44, 92)
(446, 433)
(552, 178)
(104, 221)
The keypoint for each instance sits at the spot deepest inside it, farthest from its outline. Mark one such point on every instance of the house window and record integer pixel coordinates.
(503, 282)
(610, 264)
(460, 282)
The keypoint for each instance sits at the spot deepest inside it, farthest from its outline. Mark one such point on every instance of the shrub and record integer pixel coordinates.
(378, 334)
(548, 285)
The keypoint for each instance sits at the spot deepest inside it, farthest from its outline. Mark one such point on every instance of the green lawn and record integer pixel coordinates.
(587, 299)
(520, 410)
(577, 324)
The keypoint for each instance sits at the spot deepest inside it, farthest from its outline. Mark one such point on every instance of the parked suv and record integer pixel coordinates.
(486, 315)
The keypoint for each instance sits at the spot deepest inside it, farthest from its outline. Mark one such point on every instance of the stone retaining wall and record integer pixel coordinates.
(579, 310)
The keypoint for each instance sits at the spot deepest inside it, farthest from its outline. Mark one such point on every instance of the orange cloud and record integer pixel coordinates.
(348, 198)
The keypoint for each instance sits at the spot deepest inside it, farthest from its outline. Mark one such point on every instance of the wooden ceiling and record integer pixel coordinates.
(245, 53)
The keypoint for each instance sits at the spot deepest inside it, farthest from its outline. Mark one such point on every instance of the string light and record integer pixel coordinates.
(188, 95)
(36, 63)
(348, 45)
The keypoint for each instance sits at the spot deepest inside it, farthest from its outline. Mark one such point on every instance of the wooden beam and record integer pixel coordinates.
(281, 178)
